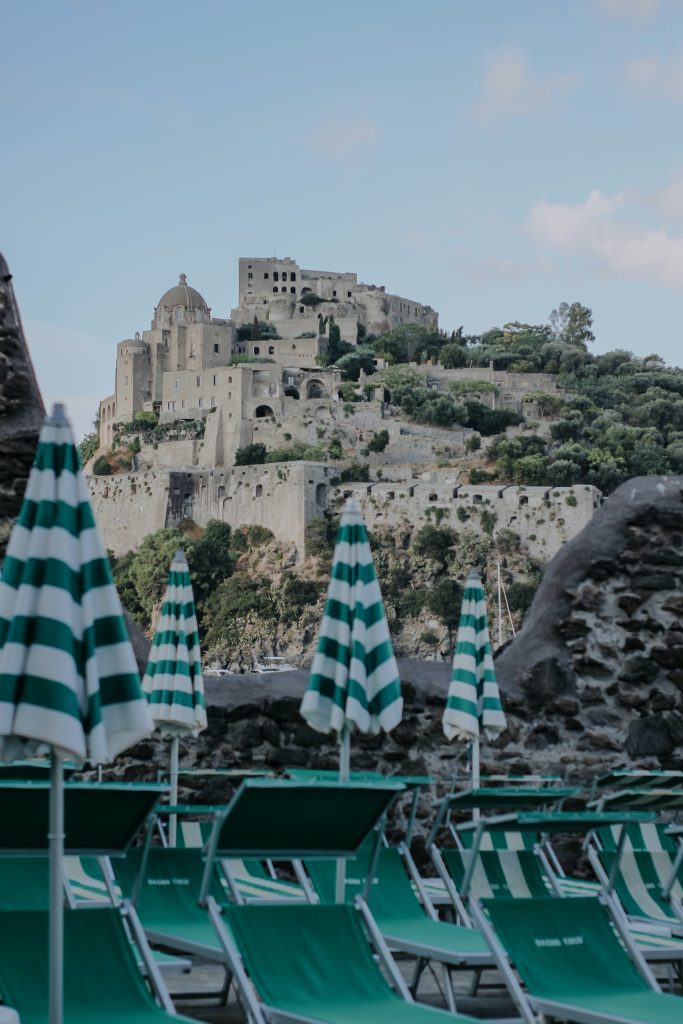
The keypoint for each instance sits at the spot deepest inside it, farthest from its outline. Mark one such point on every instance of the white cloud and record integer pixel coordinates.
(669, 199)
(511, 87)
(628, 8)
(339, 139)
(597, 228)
(661, 76)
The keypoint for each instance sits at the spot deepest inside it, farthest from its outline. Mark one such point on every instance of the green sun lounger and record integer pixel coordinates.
(324, 970)
(572, 963)
(168, 905)
(649, 838)
(639, 885)
(251, 878)
(400, 916)
(102, 981)
(498, 873)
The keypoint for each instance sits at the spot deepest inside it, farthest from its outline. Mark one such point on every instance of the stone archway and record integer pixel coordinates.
(291, 393)
(315, 389)
(262, 411)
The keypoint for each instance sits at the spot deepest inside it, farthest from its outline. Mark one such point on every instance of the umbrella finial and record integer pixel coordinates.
(58, 414)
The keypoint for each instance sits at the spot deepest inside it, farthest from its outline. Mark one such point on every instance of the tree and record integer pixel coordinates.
(572, 325)
(251, 455)
(359, 359)
(404, 343)
(452, 356)
(88, 446)
(530, 470)
(435, 542)
(209, 559)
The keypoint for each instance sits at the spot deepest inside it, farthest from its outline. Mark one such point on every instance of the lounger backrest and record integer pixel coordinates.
(649, 837)
(564, 947)
(501, 840)
(305, 957)
(24, 883)
(100, 969)
(391, 894)
(170, 888)
(194, 835)
(498, 873)
(640, 880)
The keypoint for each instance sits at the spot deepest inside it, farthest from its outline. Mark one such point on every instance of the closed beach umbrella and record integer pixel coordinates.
(173, 679)
(68, 678)
(473, 700)
(354, 680)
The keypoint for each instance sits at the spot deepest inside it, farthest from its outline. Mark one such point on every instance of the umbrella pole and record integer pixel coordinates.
(56, 843)
(345, 755)
(173, 821)
(476, 778)
(344, 771)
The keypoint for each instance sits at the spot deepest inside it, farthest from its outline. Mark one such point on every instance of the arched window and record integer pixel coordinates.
(292, 277)
(293, 291)
(276, 276)
(258, 491)
(275, 288)
(221, 491)
(315, 389)
(321, 495)
(291, 392)
(256, 350)
(262, 411)
(284, 275)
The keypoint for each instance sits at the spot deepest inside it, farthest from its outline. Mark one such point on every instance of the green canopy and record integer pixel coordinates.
(651, 799)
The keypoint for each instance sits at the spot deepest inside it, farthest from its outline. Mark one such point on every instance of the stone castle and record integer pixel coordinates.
(213, 386)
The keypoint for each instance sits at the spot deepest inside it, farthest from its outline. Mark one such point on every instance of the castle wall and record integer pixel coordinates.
(545, 517)
(129, 506)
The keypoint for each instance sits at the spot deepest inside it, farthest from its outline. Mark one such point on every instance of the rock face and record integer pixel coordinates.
(21, 408)
(597, 672)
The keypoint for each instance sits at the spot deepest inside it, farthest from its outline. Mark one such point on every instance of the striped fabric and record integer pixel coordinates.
(354, 677)
(640, 799)
(68, 676)
(507, 873)
(639, 884)
(473, 696)
(649, 837)
(173, 678)
(629, 778)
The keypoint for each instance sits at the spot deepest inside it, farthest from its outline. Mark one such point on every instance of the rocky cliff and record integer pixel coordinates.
(21, 408)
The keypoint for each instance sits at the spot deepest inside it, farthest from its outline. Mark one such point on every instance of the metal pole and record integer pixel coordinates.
(56, 845)
(344, 771)
(500, 609)
(173, 820)
(476, 776)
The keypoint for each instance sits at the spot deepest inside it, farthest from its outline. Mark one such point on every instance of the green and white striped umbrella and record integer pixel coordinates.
(173, 678)
(69, 681)
(473, 699)
(354, 678)
(68, 676)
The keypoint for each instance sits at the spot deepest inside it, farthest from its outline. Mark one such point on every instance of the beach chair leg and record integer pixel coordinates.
(420, 965)
(448, 988)
(476, 981)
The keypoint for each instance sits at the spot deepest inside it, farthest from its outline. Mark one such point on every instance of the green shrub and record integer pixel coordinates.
(379, 441)
(246, 538)
(356, 473)
(310, 299)
(88, 446)
(488, 521)
(251, 455)
(481, 476)
(101, 466)
(435, 542)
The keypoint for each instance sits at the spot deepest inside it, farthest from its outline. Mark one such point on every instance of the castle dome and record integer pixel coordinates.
(182, 295)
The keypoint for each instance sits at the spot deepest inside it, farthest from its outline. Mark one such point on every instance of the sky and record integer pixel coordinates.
(492, 158)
